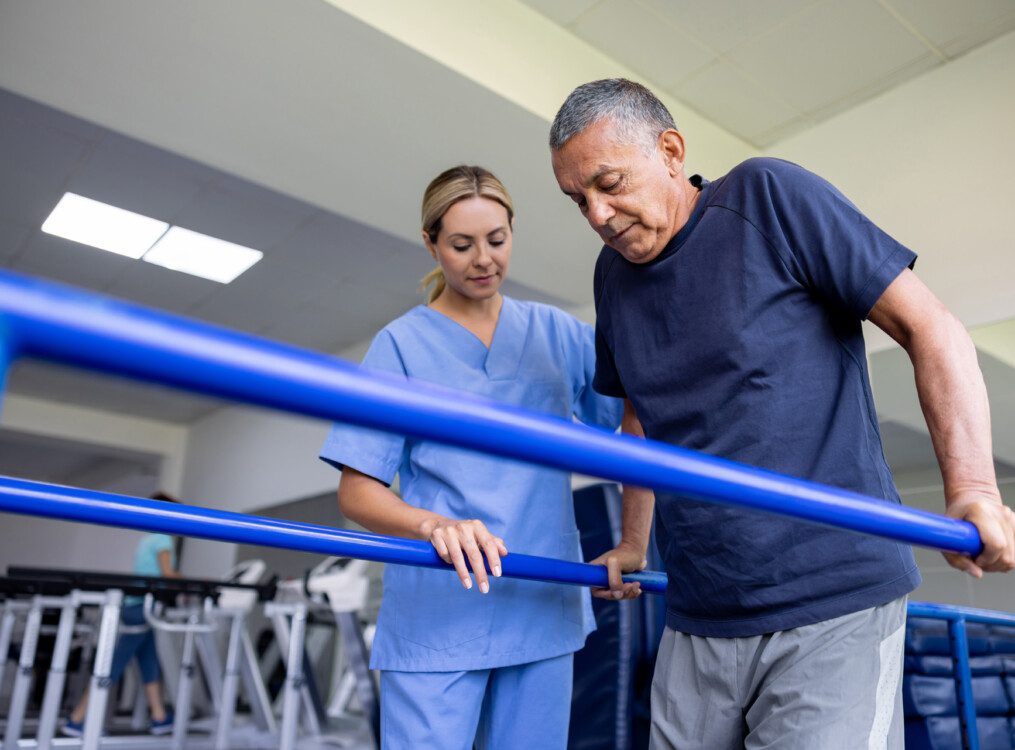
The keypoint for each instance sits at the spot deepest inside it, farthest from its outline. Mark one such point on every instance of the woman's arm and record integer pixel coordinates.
(368, 502)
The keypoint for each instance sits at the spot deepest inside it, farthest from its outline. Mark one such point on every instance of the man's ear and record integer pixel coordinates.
(673, 150)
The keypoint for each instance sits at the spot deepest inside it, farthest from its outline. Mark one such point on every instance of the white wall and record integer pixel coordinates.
(40, 417)
(25, 540)
(242, 459)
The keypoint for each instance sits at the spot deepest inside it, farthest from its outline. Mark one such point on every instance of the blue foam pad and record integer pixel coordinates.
(945, 733)
(926, 636)
(989, 696)
(923, 695)
(938, 666)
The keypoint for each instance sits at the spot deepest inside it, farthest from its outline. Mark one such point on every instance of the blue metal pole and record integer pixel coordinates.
(969, 614)
(967, 707)
(72, 504)
(64, 324)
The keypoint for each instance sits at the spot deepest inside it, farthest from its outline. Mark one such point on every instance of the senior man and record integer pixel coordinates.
(729, 318)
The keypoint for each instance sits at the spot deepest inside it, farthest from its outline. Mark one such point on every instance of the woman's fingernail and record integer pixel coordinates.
(467, 582)
(496, 570)
(484, 587)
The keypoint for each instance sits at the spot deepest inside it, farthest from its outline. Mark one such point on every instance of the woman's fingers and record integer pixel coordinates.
(475, 555)
(492, 551)
(469, 544)
(458, 559)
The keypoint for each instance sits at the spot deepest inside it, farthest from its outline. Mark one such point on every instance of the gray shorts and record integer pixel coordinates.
(835, 685)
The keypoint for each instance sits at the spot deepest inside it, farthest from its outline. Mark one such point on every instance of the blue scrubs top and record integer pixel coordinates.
(541, 359)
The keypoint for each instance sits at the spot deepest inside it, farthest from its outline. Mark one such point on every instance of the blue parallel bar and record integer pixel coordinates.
(87, 506)
(967, 707)
(55, 322)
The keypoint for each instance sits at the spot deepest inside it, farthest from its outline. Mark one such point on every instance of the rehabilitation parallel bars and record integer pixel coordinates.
(49, 321)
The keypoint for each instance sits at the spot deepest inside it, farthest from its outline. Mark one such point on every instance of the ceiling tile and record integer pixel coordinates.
(36, 163)
(723, 24)
(244, 213)
(13, 236)
(638, 38)
(954, 27)
(723, 94)
(829, 52)
(141, 178)
(886, 83)
(154, 286)
(72, 263)
(561, 11)
(785, 130)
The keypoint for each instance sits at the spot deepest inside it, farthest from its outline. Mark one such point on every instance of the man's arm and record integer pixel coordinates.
(636, 525)
(954, 402)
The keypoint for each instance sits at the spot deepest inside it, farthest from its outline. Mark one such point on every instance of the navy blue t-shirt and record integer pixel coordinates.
(743, 339)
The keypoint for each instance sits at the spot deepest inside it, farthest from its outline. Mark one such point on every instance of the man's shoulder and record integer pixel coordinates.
(765, 169)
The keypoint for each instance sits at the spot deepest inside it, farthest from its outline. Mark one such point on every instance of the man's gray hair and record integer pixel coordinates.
(636, 112)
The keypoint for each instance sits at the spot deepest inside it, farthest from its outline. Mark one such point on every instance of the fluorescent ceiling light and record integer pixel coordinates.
(103, 226)
(198, 254)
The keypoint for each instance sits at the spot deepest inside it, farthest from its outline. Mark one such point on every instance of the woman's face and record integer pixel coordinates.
(473, 247)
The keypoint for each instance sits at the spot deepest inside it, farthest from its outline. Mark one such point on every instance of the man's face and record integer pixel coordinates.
(628, 193)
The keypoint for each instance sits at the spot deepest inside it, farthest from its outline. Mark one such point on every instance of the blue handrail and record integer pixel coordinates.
(55, 322)
(957, 617)
(103, 508)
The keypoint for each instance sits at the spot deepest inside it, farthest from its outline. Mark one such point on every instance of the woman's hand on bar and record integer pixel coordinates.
(456, 540)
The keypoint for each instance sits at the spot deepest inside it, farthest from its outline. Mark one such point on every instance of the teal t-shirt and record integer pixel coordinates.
(146, 557)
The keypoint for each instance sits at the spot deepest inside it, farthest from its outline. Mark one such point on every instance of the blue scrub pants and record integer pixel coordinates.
(141, 645)
(506, 708)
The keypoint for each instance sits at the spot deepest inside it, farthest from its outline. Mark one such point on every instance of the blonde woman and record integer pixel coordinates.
(491, 666)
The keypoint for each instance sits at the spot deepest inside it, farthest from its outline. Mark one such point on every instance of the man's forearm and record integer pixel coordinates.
(636, 518)
(954, 402)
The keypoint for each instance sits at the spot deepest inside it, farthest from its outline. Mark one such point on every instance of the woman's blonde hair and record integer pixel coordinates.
(450, 186)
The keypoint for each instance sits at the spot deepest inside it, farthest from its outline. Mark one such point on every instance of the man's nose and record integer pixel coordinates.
(600, 212)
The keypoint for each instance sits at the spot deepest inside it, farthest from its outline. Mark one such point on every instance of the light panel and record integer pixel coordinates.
(200, 255)
(100, 225)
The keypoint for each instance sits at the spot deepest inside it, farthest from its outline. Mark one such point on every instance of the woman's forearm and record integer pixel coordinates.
(375, 507)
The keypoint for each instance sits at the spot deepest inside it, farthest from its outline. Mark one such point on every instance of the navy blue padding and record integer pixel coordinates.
(926, 636)
(1009, 686)
(613, 673)
(989, 696)
(1002, 640)
(923, 695)
(944, 733)
(937, 666)
(1008, 665)
(982, 666)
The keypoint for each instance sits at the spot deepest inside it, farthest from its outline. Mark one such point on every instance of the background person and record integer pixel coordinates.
(156, 555)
